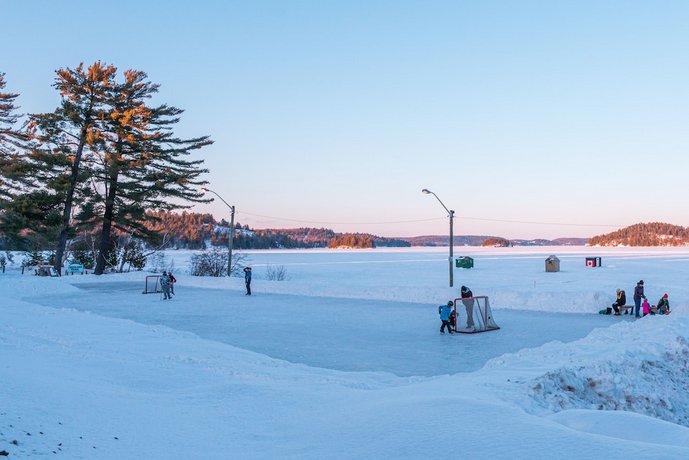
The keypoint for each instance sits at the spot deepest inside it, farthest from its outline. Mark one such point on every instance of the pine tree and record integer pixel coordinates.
(12, 144)
(143, 165)
(67, 137)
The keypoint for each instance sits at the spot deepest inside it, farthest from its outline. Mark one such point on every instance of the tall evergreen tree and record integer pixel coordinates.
(143, 165)
(68, 135)
(12, 143)
(21, 219)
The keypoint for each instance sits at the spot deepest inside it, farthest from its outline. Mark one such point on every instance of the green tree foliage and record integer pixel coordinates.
(142, 164)
(33, 258)
(12, 144)
(130, 252)
(82, 253)
(31, 221)
(66, 139)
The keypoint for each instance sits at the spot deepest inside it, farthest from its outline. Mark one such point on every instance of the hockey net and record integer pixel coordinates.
(481, 312)
(152, 285)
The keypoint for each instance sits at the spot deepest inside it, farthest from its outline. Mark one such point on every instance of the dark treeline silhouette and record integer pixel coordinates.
(188, 230)
(644, 234)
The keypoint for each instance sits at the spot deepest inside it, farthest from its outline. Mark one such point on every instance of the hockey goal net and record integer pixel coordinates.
(152, 285)
(481, 315)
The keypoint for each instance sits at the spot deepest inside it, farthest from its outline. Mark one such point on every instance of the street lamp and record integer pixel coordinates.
(451, 214)
(229, 245)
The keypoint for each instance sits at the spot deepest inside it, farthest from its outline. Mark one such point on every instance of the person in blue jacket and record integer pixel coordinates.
(444, 312)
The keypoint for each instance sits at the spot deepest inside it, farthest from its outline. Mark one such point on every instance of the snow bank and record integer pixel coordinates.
(640, 367)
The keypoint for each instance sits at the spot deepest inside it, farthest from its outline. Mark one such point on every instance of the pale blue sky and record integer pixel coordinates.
(337, 114)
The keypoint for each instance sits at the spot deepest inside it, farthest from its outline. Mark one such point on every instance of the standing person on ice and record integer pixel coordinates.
(247, 280)
(621, 300)
(165, 284)
(444, 312)
(638, 295)
(173, 280)
(468, 301)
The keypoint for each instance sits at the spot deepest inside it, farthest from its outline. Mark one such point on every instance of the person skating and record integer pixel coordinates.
(444, 312)
(664, 305)
(165, 284)
(621, 300)
(468, 301)
(638, 295)
(247, 280)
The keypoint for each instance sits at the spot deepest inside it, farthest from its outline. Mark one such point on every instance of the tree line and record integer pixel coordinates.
(644, 234)
(188, 230)
(94, 165)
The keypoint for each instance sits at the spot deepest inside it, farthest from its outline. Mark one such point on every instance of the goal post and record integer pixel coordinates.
(481, 312)
(152, 285)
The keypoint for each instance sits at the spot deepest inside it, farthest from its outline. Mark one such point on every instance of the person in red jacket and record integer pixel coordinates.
(173, 280)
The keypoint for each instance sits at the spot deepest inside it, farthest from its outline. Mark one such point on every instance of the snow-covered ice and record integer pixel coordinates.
(344, 360)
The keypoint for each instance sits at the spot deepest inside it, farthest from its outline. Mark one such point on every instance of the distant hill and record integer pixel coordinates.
(555, 242)
(644, 234)
(480, 240)
(194, 231)
(442, 240)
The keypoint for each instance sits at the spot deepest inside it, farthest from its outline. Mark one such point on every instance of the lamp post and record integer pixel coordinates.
(229, 245)
(451, 215)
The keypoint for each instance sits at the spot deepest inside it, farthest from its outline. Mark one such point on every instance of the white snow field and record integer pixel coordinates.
(343, 360)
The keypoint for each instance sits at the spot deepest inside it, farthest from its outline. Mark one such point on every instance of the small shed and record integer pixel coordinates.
(552, 264)
(464, 262)
(594, 262)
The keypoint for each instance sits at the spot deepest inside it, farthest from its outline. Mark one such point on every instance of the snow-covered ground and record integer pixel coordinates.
(344, 360)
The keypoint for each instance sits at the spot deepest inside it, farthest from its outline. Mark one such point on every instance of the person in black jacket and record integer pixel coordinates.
(638, 295)
(664, 305)
(247, 280)
(621, 300)
(468, 301)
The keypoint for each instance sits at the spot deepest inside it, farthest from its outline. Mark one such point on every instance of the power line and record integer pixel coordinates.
(429, 220)
(339, 223)
(538, 223)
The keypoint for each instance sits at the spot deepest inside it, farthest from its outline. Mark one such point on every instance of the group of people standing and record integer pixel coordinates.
(448, 317)
(641, 305)
(167, 283)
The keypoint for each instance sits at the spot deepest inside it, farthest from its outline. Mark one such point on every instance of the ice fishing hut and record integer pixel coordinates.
(464, 262)
(552, 264)
(593, 262)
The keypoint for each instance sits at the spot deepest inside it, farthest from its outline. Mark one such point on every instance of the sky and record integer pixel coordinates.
(528, 119)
